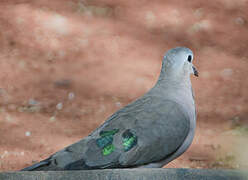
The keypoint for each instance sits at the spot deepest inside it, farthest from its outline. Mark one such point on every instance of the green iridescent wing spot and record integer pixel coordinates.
(108, 149)
(106, 140)
(108, 133)
(129, 140)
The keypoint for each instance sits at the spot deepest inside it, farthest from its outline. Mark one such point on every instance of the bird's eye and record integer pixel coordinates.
(189, 58)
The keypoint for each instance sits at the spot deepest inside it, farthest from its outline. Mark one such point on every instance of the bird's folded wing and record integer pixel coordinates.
(147, 130)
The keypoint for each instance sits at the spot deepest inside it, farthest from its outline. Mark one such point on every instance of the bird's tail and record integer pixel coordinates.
(36, 166)
(44, 165)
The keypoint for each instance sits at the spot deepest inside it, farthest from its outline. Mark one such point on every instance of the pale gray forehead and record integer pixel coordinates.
(179, 51)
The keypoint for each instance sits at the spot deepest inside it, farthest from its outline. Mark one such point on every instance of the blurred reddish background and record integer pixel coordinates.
(66, 65)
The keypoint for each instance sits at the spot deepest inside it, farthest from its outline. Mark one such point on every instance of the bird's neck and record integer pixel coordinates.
(176, 87)
(178, 90)
(174, 79)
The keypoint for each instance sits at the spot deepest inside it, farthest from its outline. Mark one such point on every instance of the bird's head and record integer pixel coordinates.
(179, 62)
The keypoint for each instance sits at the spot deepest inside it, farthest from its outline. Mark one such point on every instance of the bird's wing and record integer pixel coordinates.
(145, 131)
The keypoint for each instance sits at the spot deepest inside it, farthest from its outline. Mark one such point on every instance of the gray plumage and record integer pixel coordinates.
(149, 132)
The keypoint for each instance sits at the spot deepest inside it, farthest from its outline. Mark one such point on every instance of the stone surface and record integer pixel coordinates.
(125, 174)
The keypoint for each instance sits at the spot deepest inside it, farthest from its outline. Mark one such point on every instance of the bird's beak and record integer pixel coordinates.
(195, 71)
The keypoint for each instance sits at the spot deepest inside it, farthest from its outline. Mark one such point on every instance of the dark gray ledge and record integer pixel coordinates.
(126, 174)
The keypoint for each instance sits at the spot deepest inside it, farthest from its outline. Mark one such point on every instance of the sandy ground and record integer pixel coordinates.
(68, 65)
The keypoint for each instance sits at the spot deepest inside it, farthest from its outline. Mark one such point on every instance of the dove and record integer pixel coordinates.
(149, 132)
